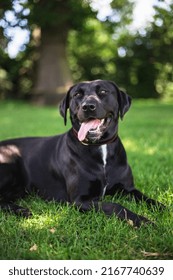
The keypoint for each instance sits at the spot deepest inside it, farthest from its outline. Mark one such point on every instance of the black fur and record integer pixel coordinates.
(63, 169)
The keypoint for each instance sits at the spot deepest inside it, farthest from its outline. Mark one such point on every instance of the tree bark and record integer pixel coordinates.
(52, 75)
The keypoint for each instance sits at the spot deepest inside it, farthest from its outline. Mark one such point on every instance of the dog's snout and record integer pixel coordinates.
(86, 107)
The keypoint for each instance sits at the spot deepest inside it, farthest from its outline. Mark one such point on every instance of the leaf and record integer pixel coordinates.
(155, 254)
(52, 230)
(130, 222)
(33, 248)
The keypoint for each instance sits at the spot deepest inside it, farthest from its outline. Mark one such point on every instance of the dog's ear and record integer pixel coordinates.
(124, 101)
(64, 105)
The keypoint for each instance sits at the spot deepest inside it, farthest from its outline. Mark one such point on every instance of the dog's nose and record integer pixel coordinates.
(86, 107)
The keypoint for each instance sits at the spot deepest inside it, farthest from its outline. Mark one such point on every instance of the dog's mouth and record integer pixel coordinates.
(92, 129)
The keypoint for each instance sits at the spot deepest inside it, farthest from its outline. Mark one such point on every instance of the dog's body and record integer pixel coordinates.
(80, 166)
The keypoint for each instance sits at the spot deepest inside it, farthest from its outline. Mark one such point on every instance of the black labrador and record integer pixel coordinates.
(80, 166)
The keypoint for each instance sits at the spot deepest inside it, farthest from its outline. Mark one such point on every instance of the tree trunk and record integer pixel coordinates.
(52, 77)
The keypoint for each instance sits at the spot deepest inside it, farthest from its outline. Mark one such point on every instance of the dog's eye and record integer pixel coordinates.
(102, 91)
(77, 94)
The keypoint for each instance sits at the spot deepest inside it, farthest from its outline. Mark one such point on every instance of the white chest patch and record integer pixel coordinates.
(104, 154)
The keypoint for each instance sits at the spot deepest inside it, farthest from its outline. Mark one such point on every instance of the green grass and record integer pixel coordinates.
(61, 232)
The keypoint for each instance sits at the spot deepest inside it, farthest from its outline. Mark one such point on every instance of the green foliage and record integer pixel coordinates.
(91, 37)
(15, 75)
(162, 38)
(5, 81)
(139, 62)
(94, 58)
(145, 68)
(61, 232)
(93, 50)
(136, 64)
(58, 13)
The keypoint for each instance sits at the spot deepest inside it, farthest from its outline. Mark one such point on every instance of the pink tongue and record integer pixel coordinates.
(86, 126)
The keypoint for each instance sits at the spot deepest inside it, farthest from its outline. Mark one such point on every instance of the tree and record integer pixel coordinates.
(53, 21)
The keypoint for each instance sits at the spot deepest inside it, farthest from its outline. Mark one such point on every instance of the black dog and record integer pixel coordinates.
(80, 166)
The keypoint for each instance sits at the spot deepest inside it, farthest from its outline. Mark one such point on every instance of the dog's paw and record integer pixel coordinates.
(23, 212)
(156, 205)
(160, 206)
(140, 221)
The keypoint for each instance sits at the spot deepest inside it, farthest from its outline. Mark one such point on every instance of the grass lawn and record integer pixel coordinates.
(61, 232)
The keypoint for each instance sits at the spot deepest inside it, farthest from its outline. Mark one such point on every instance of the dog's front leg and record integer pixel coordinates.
(139, 196)
(134, 193)
(86, 197)
(111, 209)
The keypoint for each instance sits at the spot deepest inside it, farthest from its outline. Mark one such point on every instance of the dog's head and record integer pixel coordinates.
(95, 107)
